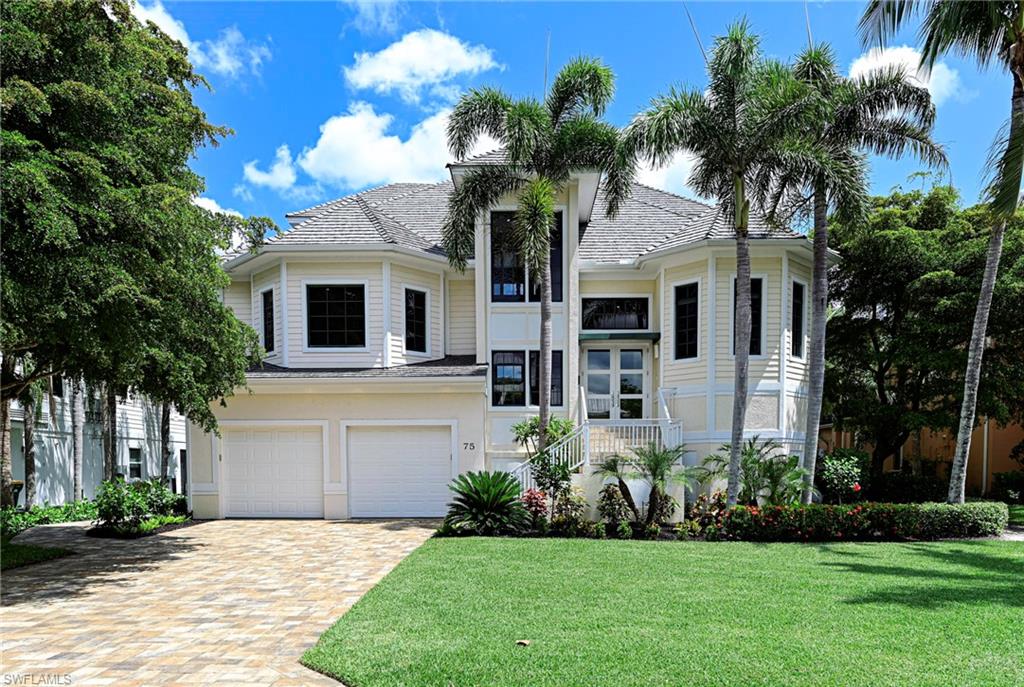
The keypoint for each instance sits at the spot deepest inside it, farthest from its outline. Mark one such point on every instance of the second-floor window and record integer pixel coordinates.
(268, 320)
(797, 325)
(415, 321)
(756, 299)
(511, 280)
(687, 320)
(615, 313)
(336, 316)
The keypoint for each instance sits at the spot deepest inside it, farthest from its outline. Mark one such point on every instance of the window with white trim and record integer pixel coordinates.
(756, 300)
(415, 321)
(797, 311)
(134, 463)
(511, 280)
(556, 378)
(336, 316)
(268, 320)
(687, 320)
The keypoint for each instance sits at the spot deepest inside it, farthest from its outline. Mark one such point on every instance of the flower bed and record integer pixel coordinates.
(865, 522)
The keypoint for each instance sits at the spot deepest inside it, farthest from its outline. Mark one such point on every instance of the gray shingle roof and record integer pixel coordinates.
(411, 215)
(450, 366)
(491, 157)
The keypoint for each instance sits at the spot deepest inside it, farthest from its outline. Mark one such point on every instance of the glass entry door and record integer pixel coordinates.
(617, 381)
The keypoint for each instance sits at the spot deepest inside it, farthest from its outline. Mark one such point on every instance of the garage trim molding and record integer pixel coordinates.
(329, 487)
(453, 425)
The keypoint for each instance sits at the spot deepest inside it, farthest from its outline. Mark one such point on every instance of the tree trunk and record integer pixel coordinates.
(627, 496)
(816, 351)
(165, 442)
(958, 470)
(544, 362)
(77, 436)
(109, 432)
(741, 338)
(6, 477)
(28, 405)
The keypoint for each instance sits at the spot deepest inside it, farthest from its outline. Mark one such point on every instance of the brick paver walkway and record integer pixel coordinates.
(222, 602)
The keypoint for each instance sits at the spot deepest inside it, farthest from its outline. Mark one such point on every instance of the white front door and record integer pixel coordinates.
(399, 471)
(617, 379)
(273, 472)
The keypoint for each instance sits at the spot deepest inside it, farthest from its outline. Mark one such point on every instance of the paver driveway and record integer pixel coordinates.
(222, 602)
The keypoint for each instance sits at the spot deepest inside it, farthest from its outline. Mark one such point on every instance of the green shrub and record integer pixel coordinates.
(867, 521)
(150, 525)
(611, 505)
(125, 505)
(1008, 486)
(624, 530)
(906, 487)
(708, 511)
(843, 475)
(569, 514)
(14, 521)
(486, 503)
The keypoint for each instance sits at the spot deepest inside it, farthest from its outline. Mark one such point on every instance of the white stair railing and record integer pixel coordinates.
(570, 451)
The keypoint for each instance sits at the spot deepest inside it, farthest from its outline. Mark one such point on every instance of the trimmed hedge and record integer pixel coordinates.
(14, 521)
(866, 522)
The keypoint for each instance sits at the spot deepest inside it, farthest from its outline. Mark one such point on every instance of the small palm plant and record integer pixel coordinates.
(618, 468)
(659, 466)
(765, 472)
(487, 504)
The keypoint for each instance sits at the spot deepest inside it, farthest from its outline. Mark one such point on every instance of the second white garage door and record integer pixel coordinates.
(396, 471)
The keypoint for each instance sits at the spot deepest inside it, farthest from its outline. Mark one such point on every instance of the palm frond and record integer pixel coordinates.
(882, 19)
(677, 121)
(982, 31)
(478, 191)
(527, 131)
(1006, 162)
(894, 136)
(584, 84)
(533, 219)
(481, 111)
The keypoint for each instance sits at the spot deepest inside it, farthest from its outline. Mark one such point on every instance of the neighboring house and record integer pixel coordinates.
(388, 372)
(991, 446)
(138, 446)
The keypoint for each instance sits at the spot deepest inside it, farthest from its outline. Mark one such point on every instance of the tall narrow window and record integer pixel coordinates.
(508, 272)
(415, 321)
(336, 316)
(555, 260)
(268, 320)
(756, 289)
(508, 378)
(687, 343)
(135, 463)
(556, 378)
(797, 329)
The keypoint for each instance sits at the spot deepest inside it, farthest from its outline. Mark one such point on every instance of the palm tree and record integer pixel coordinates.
(620, 469)
(544, 142)
(989, 32)
(165, 442)
(657, 467)
(882, 113)
(735, 127)
(77, 436)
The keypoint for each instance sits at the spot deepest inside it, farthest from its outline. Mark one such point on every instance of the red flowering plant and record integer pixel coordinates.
(536, 503)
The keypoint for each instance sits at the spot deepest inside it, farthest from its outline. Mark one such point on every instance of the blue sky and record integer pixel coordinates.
(329, 97)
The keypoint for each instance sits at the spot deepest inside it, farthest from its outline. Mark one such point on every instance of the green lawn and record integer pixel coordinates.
(1017, 516)
(663, 613)
(18, 555)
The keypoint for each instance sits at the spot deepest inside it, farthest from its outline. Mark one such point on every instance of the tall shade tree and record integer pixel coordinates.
(882, 113)
(735, 127)
(988, 32)
(108, 271)
(544, 142)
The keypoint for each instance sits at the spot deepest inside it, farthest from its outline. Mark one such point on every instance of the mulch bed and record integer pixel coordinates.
(110, 533)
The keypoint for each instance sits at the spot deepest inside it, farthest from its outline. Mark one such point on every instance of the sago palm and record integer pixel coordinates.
(882, 113)
(544, 143)
(735, 126)
(988, 32)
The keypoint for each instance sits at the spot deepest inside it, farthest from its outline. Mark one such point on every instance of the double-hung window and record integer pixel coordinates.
(415, 321)
(556, 378)
(687, 320)
(134, 463)
(798, 307)
(756, 300)
(336, 316)
(511, 281)
(513, 373)
(268, 320)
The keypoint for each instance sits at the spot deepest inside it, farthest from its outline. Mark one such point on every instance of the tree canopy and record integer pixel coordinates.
(109, 270)
(905, 290)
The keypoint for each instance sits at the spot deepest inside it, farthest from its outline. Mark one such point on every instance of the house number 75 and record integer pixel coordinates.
(468, 446)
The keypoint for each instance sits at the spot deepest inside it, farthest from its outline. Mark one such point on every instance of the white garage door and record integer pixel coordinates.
(273, 473)
(396, 471)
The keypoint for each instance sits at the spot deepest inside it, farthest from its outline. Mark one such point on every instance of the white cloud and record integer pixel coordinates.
(943, 82)
(243, 192)
(423, 59)
(230, 54)
(671, 177)
(375, 15)
(280, 176)
(355, 149)
(213, 206)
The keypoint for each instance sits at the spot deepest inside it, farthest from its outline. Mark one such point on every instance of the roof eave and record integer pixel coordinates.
(274, 248)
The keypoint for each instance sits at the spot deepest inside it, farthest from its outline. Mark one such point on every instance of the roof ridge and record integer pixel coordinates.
(674, 195)
(500, 149)
(374, 219)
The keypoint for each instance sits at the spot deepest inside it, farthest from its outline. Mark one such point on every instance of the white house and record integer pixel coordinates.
(138, 445)
(388, 372)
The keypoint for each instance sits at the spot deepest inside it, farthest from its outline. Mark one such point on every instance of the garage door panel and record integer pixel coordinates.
(273, 472)
(399, 471)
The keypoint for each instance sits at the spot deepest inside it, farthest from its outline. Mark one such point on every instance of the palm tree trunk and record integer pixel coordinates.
(28, 404)
(544, 362)
(165, 441)
(109, 432)
(958, 471)
(6, 477)
(741, 339)
(77, 436)
(816, 352)
(627, 496)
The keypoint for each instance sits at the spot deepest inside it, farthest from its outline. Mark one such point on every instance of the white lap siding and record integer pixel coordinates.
(461, 305)
(403, 277)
